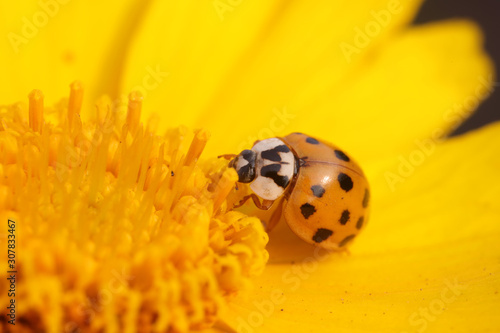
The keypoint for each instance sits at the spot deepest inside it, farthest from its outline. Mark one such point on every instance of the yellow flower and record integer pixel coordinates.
(355, 74)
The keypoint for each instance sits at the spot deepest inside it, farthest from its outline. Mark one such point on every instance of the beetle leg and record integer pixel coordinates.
(264, 205)
(275, 218)
(227, 156)
(242, 201)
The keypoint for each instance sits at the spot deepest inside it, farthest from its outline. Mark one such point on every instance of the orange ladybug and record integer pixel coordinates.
(322, 193)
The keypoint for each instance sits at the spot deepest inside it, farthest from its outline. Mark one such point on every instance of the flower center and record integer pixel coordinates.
(118, 225)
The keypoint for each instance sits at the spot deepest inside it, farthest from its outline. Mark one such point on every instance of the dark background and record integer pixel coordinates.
(487, 14)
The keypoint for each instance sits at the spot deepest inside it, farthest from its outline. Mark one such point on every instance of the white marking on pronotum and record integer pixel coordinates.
(266, 187)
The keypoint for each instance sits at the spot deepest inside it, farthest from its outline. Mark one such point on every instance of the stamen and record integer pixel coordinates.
(36, 110)
(100, 203)
(134, 110)
(75, 101)
(224, 186)
(200, 140)
(103, 108)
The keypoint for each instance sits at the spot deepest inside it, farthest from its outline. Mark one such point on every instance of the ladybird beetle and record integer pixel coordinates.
(322, 193)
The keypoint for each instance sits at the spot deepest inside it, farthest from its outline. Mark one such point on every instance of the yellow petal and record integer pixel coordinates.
(269, 70)
(420, 84)
(428, 259)
(255, 59)
(51, 43)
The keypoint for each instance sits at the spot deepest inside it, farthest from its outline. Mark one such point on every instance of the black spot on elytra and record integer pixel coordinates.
(322, 234)
(312, 141)
(307, 210)
(273, 154)
(360, 222)
(271, 171)
(298, 133)
(341, 155)
(345, 182)
(344, 218)
(318, 190)
(346, 240)
(366, 198)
